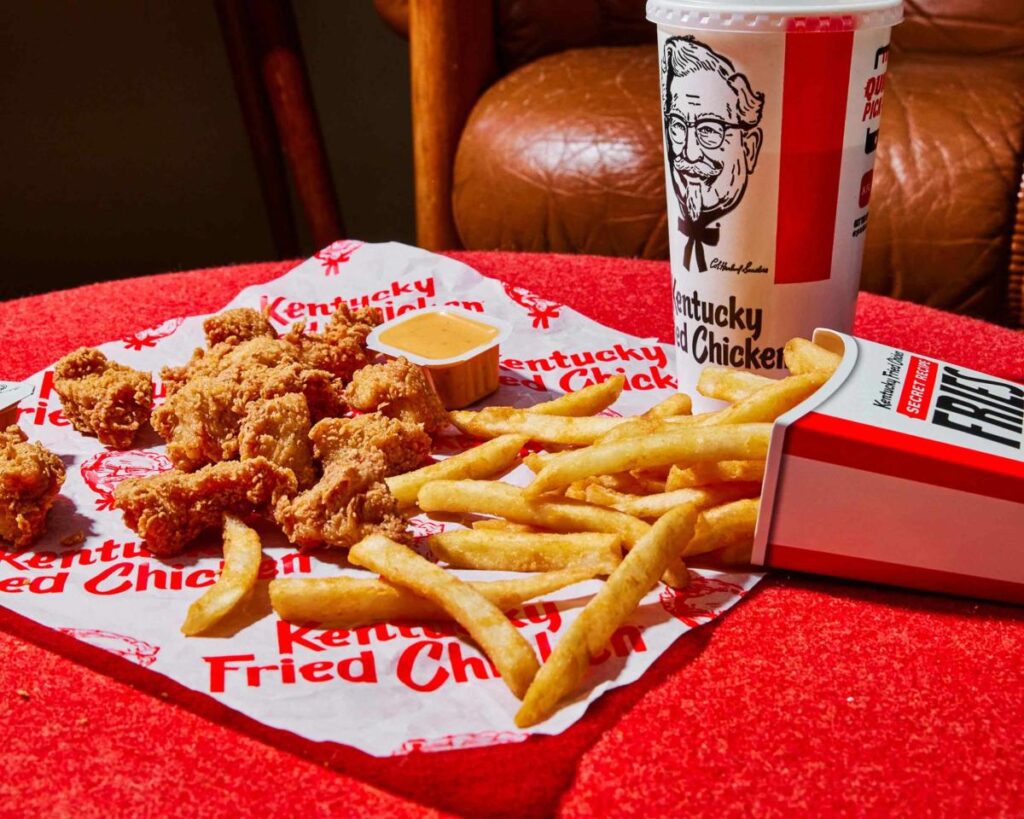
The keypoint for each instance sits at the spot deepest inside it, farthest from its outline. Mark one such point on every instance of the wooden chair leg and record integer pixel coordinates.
(273, 36)
(451, 51)
(259, 124)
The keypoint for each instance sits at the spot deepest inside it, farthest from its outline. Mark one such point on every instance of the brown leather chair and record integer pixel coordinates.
(537, 127)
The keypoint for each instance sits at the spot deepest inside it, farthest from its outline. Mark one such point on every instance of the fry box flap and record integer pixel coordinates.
(901, 469)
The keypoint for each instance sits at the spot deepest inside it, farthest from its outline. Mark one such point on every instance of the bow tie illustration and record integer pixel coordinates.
(697, 235)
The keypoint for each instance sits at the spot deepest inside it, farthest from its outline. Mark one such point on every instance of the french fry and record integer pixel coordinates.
(546, 429)
(635, 427)
(723, 526)
(502, 525)
(803, 356)
(349, 602)
(729, 385)
(628, 483)
(485, 622)
(482, 461)
(737, 554)
(242, 556)
(527, 552)
(507, 501)
(609, 609)
(535, 461)
(678, 403)
(577, 490)
(769, 402)
(702, 474)
(654, 506)
(687, 444)
(588, 401)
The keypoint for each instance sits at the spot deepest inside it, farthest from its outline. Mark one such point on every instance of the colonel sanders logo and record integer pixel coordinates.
(712, 138)
(422, 529)
(104, 471)
(458, 742)
(539, 310)
(701, 600)
(138, 651)
(336, 254)
(149, 338)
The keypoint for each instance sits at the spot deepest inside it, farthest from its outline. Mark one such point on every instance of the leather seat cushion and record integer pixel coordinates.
(946, 182)
(564, 155)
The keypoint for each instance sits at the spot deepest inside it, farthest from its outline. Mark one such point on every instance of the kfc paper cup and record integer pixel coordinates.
(770, 122)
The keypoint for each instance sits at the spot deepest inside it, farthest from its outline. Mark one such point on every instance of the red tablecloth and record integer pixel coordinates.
(810, 697)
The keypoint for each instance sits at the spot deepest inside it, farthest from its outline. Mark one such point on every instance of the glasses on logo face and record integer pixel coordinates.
(709, 132)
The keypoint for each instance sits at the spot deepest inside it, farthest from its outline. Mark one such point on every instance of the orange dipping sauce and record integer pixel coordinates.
(439, 335)
(458, 350)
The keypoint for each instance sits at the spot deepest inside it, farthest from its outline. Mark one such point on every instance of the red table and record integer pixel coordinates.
(810, 697)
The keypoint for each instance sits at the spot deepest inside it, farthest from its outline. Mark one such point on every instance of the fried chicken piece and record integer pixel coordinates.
(399, 389)
(237, 325)
(259, 351)
(102, 397)
(349, 502)
(341, 348)
(202, 418)
(278, 429)
(404, 444)
(170, 509)
(30, 478)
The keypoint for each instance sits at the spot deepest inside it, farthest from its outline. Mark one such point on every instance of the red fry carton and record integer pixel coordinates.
(11, 393)
(901, 470)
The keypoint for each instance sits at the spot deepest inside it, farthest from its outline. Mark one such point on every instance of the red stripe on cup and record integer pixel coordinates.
(916, 396)
(780, 556)
(854, 445)
(817, 78)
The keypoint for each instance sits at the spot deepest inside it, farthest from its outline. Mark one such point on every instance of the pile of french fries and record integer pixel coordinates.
(626, 499)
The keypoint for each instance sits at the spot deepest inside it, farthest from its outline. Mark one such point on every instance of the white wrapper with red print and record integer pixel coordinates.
(384, 689)
(901, 470)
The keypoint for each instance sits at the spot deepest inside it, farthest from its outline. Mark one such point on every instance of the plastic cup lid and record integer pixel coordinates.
(775, 15)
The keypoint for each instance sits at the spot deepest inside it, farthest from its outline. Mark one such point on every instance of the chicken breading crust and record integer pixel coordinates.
(30, 478)
(103, 398)
(398, 389)
(170, 509)
(237, 325)
(278, 429)
(208, 398)
(349, 502)
(404, 444)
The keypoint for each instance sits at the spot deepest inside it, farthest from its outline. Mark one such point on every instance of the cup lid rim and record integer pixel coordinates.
(775, 15)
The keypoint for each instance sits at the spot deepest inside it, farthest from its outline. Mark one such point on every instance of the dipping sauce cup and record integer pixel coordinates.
(457, 348)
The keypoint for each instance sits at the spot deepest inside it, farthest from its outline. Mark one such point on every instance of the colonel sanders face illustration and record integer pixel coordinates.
(712, 137)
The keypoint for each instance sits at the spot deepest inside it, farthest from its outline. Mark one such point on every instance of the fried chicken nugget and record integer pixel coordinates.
(404, 444)
(237, 325)
(208, 398)
(170, 509)
(30, 478)
(341, 348)
(102, 397)
(278, 429)
(399, 389)
(349, 502)
(201, 420)
(261, 351)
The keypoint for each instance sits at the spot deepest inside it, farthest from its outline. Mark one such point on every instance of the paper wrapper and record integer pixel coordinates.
(385, 689)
